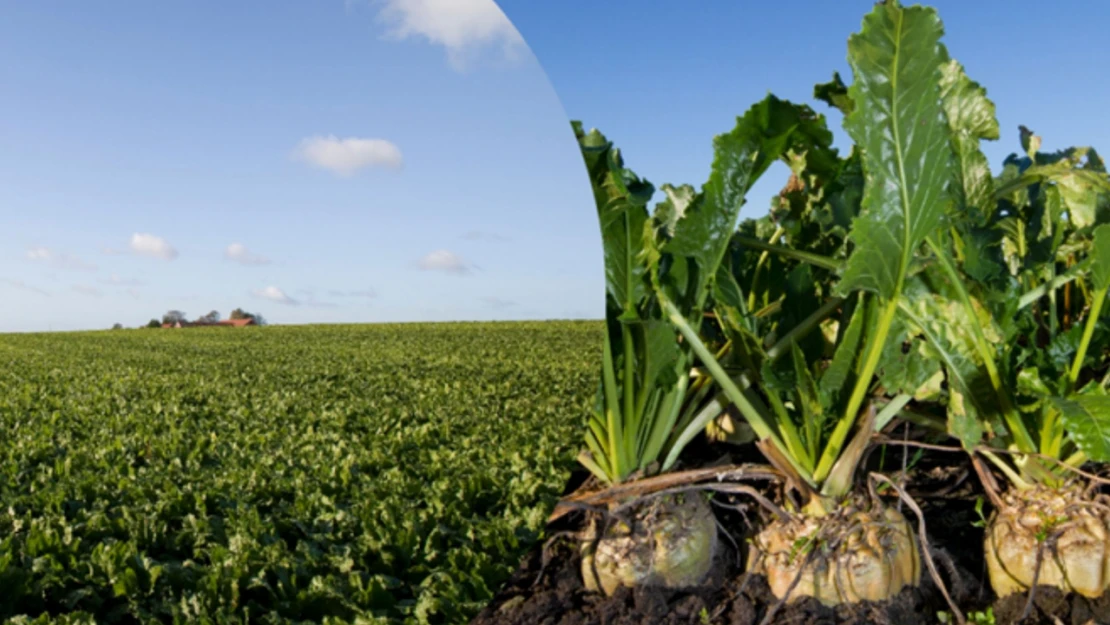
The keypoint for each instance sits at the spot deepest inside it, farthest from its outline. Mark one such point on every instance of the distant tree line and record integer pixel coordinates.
(173, 316)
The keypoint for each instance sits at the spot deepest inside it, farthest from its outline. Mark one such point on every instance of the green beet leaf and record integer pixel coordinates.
(1087, 419)
(899, 123)
(1100, 258)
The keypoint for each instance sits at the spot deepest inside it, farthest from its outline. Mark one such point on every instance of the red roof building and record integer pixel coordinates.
(233, 323)
(238, 323)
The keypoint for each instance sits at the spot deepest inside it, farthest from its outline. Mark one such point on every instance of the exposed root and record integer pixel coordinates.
(905, 443)
(588, 508)
(990, 485)
(949, 565)
(926, 550)
(722, 530)
(1036, 578)
(720, 488)
(885, 440)
(640, 488)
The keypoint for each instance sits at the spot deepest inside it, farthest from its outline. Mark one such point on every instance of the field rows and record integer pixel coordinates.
(340, 473)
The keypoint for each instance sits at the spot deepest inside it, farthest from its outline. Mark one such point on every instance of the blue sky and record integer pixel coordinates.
(408, 160)
(331, 161)
(661, 77)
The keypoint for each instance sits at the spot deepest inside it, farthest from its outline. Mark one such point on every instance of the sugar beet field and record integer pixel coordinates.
(337, 474)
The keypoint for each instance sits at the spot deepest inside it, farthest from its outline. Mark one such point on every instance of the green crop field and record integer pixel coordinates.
(361, 474)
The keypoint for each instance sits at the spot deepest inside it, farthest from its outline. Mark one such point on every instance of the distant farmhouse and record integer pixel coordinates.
(176, 319)
(234, 323)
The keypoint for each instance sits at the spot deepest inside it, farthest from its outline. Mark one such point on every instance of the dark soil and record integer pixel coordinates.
(1051, 607)
(946, 493)
(727, 597)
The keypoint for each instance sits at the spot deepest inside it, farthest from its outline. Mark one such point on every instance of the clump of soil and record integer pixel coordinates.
(1052, 607)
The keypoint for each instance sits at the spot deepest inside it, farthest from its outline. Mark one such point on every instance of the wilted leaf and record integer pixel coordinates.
(971, 119)
(963, 422)
(835, 94)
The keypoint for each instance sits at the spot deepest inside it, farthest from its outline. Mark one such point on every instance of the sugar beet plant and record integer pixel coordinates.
(1028, 371)
(976, 298)
(905, 165)
(838, 544)
(659, 264)
(1007, 303)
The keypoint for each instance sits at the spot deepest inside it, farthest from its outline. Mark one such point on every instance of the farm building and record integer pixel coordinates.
(236, 323)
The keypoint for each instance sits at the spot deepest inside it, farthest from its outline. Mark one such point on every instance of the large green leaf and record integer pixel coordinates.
(622, 231)
(971, 118)
(761, 136)
(661, 352)
(1087, 419)
(640, 351)
(621, 199)
(1100, 258)
(899, 123)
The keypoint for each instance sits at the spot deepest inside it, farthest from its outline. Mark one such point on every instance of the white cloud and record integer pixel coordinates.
(275, 294)
(115, 280)
(133, 293)
(462, 27)
(23, 286)
(87, 290)
(498, 303)
(444, 260)
(346, 156)
(58, 259)
(239, 253)
(152, 245)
